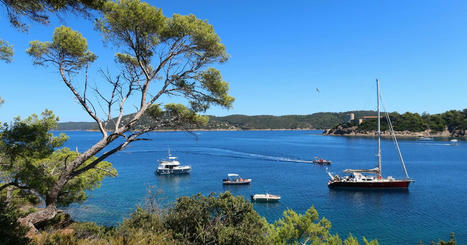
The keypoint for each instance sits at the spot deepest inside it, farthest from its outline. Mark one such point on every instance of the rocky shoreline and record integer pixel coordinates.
(352, 131)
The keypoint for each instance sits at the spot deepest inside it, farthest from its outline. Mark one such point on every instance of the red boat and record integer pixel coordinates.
(373, 178)
(321, 161)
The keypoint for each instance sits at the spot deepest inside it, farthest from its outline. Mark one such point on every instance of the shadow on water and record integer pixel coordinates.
(266, 204)
(236, 188)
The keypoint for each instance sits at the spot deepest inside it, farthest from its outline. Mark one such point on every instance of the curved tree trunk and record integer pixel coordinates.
(47, 213)
(51, 199)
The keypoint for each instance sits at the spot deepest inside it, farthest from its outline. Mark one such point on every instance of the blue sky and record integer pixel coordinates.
(281, 51)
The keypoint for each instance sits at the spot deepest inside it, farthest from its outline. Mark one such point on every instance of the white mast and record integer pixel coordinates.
(379, 129)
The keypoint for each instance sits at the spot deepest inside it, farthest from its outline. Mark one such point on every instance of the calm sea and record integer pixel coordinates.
(279, 163)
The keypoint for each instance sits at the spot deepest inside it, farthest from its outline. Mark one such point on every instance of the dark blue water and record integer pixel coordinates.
(278, 163)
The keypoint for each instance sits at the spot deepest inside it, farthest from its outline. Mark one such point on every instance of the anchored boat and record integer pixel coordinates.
(235, 179)
(373, 178)
(172, 166)
(265, 198)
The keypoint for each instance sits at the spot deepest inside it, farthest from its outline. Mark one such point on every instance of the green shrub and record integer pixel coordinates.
(11, 232)
(216, 219)
(91, 230)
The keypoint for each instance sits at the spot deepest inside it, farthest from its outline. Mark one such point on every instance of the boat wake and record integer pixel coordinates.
(240, 154)
(228, 153)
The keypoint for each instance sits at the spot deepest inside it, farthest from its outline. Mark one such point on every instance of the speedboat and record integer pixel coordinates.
(172, 166)
(454, 141)
(321, 161)
(235, 179)
(265, 198)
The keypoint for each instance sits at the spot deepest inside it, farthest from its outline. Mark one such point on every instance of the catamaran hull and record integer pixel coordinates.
(398, 184)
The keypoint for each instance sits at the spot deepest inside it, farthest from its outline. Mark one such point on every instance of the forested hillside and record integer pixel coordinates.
(321, 120)
(454, 122)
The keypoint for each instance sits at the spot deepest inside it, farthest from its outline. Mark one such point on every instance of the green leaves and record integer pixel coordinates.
(74, 190)
(211, 80)
(27, 154)
(30, 138)
(201, 33)
(183, 114)
(216, 219)
(173, 115)
(68, 50)
(184, 45)
(38, 10)
(6, 51)
(142, 27)
(133, 24)
(296, 228)
(11, 232)
(69, 43)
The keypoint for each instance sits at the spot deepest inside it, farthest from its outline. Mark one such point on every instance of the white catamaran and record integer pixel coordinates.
(372, 178)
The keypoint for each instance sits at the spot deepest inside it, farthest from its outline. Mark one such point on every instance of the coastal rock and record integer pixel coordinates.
(459, 133)
(353, 131)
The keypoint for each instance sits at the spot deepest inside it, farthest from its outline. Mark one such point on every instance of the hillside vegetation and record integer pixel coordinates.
(321, 120)
(450, 123)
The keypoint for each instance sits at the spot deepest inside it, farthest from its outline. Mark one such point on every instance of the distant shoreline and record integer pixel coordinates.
(399, 134)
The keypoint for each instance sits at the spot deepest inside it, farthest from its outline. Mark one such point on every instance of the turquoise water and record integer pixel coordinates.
(278, 163)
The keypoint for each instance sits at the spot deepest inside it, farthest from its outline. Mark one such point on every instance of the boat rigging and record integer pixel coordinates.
(373, 178)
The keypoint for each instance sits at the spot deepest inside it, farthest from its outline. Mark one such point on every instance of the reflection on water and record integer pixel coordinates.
(236, 188)
(363, 197)
(266, 204)
(174, 181)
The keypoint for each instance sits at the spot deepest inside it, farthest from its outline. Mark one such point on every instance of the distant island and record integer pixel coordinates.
(321, 121)
(451, 123)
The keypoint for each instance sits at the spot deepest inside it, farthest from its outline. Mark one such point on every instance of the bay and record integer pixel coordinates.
(279, 163)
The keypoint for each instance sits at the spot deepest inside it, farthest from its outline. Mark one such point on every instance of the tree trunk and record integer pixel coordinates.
(47, 213)
(51, 199)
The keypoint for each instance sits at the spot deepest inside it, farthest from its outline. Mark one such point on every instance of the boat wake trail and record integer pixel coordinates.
(227, 153)
(239, 154)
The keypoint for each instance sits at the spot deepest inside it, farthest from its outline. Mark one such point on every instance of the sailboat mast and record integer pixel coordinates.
(379, 128)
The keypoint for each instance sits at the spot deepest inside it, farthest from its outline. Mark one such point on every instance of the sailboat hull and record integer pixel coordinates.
(395, 184)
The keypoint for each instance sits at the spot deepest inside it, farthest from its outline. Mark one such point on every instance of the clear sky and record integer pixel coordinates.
(281, 51)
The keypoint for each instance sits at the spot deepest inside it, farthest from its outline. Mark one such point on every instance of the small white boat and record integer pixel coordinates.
(265, 198)
(425, 138)
(172, 166)
(454, 141)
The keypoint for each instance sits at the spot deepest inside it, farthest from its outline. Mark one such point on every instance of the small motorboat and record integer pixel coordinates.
(454, 141)
(422, 138)
(321, 161)
(235, 179)
(265, 198)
